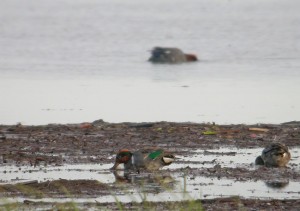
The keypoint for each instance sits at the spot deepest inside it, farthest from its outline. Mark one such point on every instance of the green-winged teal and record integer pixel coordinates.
(170, 55)
(274, 155)
(150, 159)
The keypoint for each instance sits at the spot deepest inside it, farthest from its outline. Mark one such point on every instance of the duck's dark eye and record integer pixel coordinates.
(119, 156)
(279, 154)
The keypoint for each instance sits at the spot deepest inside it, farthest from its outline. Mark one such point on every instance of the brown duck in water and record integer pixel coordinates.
(274, 155)
(149, 159)
(170, 55)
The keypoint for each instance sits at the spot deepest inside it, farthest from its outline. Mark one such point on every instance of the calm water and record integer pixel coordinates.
(65, 61)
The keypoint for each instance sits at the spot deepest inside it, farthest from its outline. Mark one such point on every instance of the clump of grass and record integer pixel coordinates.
(66, 188)
(186, 202)
(119, 204)
(22, 189)
(10, 206)
(66, 206)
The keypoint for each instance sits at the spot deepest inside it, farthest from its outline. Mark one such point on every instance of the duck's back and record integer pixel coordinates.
(167, 55)
(137, 161)
(276, 148)
(276, 155)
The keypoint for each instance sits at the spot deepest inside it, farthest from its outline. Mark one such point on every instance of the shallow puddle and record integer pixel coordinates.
(227, 157)
(168, 186)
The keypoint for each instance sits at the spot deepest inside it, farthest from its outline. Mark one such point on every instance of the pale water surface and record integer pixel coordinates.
(66, 61)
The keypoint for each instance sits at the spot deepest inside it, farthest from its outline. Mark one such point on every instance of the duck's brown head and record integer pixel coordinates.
(191, 57)
(123, 156)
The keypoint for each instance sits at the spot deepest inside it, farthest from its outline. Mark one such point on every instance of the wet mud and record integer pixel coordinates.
(68, 165)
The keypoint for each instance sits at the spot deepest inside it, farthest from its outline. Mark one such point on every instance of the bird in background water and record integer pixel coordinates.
(170, 55)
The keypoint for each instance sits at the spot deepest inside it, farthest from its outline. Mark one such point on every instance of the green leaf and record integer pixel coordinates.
(209, 132)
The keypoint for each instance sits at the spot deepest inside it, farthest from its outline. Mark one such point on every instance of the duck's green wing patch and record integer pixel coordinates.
(155, 154)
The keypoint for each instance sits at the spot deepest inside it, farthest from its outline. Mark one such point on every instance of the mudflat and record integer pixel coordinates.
(35, 149)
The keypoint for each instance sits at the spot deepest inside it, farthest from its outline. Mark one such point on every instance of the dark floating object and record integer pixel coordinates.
(274, 155)
(277, 184)
(170, 55)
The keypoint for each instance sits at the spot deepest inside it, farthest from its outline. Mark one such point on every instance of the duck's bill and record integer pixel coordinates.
(168, 160)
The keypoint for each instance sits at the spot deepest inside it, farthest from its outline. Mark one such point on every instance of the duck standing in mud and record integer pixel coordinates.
(274, 155)
(149, 159)
(170, 55)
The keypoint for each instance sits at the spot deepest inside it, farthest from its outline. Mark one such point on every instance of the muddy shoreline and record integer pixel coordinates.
(233, 203)
(98, 141)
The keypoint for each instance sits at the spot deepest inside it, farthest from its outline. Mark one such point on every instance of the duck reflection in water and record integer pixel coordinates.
(277, 184)
(148, 181)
